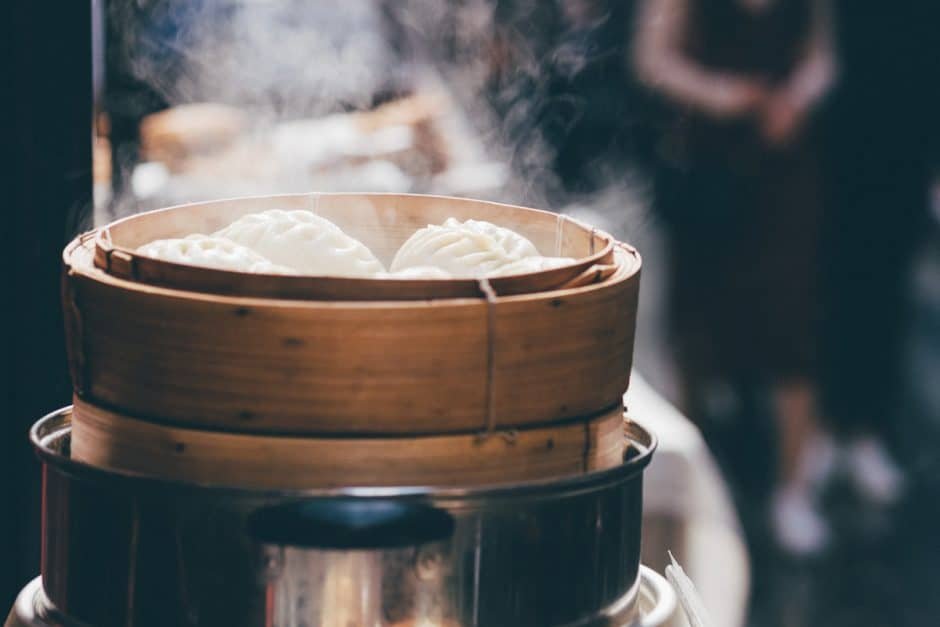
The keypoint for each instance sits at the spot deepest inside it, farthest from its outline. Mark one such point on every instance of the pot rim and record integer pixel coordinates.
(49, 434)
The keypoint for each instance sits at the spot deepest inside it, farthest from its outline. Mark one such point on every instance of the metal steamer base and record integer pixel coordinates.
(656, 605)
(121, 550)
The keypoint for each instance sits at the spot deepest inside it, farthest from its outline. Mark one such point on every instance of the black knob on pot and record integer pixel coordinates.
(350, 523)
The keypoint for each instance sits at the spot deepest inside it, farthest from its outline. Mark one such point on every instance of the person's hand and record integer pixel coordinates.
(781, 120)
(738, 98)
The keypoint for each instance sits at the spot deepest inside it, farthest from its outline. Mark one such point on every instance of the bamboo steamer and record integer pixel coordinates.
(381, 221)
(364, 368)
(123, 443)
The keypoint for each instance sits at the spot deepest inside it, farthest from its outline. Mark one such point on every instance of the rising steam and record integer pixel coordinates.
(289, 59)
(282, 59)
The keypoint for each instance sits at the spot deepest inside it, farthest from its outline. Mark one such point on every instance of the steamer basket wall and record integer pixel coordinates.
(259, 365)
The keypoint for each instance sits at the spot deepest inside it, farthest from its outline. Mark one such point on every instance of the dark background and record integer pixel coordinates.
(47, 96)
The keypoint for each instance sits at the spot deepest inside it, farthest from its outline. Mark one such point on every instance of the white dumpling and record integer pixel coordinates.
(471, 248)
(417, 272)
(268, 267)
(534, 264)
(508, 240)
(304, 241)
(211, 252)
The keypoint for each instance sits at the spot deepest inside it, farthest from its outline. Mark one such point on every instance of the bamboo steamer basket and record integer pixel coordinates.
(363, 368)
(381, 221)
(124, 443)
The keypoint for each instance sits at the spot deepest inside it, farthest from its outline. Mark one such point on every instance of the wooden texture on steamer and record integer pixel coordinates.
(119, 442)
(263, 365)
(381, 221)
(260, 365)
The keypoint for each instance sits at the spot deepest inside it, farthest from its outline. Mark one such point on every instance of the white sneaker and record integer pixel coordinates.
(798, 525)
(817, 461)
(874, 473)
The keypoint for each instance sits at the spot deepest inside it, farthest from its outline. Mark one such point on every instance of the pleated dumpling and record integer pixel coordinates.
(211, 252)
(416, 272)
(304, 241)
(534, 264)
(463, 249)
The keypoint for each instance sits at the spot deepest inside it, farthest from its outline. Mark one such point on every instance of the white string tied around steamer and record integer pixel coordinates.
(489, 427)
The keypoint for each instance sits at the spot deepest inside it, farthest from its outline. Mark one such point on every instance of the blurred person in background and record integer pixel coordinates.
(738, 188)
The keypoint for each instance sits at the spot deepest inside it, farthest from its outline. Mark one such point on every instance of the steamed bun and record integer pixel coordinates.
(463, 249)
(416, 272)
(534, 264)
(211, 252)
(303, 241)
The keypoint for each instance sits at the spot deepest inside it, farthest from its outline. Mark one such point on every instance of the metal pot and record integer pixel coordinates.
(656, 605)
(122, 549)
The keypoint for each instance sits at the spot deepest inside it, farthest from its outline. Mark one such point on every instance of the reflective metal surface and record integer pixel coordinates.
(656, 605)
(132, 550)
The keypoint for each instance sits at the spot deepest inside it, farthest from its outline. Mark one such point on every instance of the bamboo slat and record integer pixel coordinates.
(120, 442)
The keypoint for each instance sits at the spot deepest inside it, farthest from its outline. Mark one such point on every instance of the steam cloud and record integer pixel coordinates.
(288, 59)
(285, 58)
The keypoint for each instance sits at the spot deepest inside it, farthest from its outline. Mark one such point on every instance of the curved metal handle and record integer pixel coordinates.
(350, 523)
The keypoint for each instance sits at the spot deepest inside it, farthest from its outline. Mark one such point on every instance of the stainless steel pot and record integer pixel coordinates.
(656, 605)
(121, 549)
